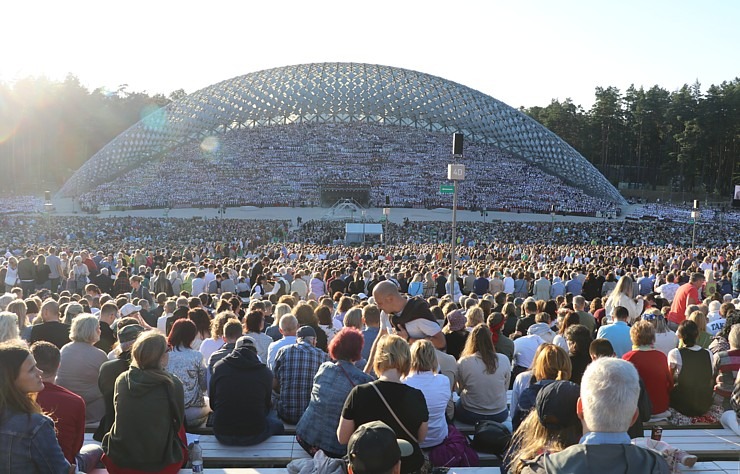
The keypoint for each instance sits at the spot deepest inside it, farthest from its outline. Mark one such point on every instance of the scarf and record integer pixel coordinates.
(496, 331)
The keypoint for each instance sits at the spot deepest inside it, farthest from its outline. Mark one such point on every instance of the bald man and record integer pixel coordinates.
(410, 317)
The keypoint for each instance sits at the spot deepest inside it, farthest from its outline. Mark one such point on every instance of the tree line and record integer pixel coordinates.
(686, 140)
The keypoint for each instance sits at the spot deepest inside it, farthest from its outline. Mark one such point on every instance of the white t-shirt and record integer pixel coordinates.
(715, 326)
(525, 348)
(416, 329)
(674, 358)
(436, 390)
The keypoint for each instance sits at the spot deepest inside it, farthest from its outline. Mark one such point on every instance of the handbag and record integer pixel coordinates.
(455, 451)
(491, 437)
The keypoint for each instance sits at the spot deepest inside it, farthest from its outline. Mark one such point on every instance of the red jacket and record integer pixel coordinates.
(67, 409)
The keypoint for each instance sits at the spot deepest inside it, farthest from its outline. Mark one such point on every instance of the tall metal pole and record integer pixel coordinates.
(454, 241)
(455, 173)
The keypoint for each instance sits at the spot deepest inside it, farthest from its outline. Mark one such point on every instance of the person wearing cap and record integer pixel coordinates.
(110, 371)
(374, 449)
(296, 366)
(455, 332)
(607, 406)
(551, 427)
(239, 394)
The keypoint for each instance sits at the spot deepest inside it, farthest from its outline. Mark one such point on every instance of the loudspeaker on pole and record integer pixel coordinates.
(457, 144)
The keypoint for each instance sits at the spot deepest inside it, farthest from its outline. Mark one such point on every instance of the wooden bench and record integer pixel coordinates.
(707, 445)
(717, 467)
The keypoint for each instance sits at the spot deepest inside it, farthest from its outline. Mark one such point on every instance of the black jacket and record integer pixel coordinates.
(240, 392)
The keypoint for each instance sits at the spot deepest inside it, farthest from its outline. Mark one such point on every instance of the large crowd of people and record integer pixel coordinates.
(176, 316)
(404, 164)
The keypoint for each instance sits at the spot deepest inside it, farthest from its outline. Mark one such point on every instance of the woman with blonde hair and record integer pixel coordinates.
(435, 387)
(622, 296)
(19, 308)
(388, 399)
(473, 317)
(430, 286)
(651, 364)
(482, 380)
(665, 339)
(416, 287)
(704, 338)
(710, 285)
(551, 363)
(280, 310)
(80, 365)
(8, 327)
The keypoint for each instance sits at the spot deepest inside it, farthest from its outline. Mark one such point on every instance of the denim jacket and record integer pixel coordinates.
(318, 425)
(28, 444)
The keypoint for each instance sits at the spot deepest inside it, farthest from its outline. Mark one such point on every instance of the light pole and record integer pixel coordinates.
(455, 173)
(694, 217)
(386, 213)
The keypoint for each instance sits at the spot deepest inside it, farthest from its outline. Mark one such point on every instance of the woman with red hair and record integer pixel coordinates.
(317, 428)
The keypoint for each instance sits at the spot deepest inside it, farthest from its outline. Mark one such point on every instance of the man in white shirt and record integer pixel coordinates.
(288, 328)
(199, 284)
(508, 283)
(169, 308)
(411, 318)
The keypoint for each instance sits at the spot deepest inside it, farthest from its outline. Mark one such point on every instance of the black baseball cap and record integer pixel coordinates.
(556, 405)
(374, 448)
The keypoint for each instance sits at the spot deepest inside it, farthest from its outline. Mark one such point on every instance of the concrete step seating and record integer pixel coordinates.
(708, 444)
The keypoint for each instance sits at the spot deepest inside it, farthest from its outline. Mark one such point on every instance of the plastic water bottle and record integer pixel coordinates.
(196, 457)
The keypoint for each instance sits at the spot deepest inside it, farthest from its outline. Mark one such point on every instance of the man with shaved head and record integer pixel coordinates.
(410, 317)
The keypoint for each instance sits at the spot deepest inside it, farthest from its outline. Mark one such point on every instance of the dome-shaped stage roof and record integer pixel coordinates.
(343, 93)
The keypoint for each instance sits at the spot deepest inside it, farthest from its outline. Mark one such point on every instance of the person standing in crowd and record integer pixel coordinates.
(686, 295)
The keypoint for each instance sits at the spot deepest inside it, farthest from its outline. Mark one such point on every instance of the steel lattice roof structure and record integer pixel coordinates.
(340, 93)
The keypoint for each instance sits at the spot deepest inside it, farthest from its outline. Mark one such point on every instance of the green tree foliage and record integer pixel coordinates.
(656, 137)
(49, 129)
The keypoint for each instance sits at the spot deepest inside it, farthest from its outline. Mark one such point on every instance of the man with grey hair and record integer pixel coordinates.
(607, 407)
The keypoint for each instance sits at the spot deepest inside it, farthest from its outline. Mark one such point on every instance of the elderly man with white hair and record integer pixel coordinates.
(607, 407)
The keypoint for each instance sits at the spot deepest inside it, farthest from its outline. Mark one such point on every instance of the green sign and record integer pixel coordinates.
(447, 189)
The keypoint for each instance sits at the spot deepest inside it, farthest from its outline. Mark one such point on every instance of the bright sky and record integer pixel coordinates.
(524, 53)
